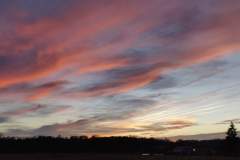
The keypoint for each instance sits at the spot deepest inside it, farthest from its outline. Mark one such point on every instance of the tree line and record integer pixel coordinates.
(230, 146)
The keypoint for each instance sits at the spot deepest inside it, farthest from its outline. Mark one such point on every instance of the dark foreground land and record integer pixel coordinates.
(117, 145)
(116, 148)
(106, 157)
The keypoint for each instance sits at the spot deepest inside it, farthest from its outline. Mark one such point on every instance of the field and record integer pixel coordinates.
(102, 157)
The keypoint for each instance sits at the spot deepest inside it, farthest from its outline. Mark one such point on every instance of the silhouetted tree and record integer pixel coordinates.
(231, 133)
(231, 140)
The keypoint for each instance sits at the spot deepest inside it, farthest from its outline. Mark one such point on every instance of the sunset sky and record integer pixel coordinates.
(154, 68)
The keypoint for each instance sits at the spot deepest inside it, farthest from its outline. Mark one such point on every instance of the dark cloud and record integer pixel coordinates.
(208, 136)
(163, 82)
(169, 125)
(40, 109)
(4, 119)
(55, 109)
(23, 111)
(122, 80)
(123, 110)
(92, 127)
(120, 109)
(236, 121)
(34, 92)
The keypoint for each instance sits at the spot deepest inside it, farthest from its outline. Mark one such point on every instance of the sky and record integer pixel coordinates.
(152, 68)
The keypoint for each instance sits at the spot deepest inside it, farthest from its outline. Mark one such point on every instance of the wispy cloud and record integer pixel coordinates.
(236, 121)
(169, 125)
(194, 38)
(93, 127)
(79, 52)
(23, 111)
